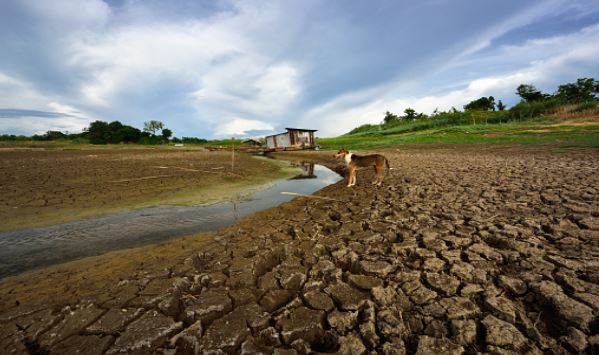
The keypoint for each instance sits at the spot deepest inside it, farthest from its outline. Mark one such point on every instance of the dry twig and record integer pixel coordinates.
(310, 196)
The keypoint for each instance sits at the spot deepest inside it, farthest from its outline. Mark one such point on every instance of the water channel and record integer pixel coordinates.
(28, 249)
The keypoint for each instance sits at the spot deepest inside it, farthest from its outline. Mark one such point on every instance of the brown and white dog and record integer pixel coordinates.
(354, 161)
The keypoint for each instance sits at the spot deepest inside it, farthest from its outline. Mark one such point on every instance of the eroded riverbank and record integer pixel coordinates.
(45, 187)
(38, 247)
(476, 249)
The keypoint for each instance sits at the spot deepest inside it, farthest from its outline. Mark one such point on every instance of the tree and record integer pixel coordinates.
(54, 135)
(98, 132)
(584, 89)
(115, 126)
(500, 106)
(153, 126)
(167, 133)
(390, 117)
(410, 114)
(529, 93)
(482, 104)
(129, 134)
(114, 134)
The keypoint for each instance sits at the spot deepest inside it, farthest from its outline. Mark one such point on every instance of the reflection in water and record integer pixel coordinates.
(307, 170)
(32, 248)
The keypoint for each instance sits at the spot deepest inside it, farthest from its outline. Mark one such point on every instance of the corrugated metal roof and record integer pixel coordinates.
(293, 129)
(278, 134)
(301, 129)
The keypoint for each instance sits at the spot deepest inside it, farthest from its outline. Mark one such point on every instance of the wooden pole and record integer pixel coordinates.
(233, 153)
(310, 196)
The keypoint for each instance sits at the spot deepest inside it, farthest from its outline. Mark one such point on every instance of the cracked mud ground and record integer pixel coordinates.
(463, 250)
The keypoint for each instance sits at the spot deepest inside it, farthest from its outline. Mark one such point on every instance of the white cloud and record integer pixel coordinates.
(133, 58)
(15, 93)
(74, 117)
(215, 59)
(277, 86)
(250, 87)
(543, 62)
(28, 125)
(241, 127)
(320, 65)
(22, 97)
(225, 71)
(66, 109)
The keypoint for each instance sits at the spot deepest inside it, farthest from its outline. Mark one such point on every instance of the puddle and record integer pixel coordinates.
(38, 247)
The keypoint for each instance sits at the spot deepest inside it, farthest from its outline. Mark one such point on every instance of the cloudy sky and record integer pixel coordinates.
(221, 68)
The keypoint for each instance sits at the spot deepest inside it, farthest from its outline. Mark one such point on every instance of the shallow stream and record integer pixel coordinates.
(38, 247)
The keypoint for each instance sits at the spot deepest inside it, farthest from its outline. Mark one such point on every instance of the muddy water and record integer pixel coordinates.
(33, 248)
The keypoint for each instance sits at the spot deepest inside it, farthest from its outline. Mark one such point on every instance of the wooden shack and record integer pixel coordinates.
(293, 139)
(252, 142)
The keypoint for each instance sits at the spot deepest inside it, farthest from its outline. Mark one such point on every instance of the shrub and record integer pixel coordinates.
(482, 104)
(584, 89)
(525, 110)
(586, 106)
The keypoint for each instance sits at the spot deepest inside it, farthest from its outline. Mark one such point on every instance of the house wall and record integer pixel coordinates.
(278, 141)
(302, 139)
(283, 140)
(290, 139)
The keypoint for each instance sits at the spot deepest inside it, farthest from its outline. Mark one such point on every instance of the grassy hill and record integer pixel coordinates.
(563, 126)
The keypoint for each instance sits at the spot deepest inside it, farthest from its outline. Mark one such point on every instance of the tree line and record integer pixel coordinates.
(584, 90)
(579, 96)
(100, 132)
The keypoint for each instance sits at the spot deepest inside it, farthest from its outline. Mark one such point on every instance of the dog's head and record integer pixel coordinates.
(341, 153)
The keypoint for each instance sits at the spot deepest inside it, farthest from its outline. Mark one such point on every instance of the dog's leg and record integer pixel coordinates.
(352, 176)
(376, 175)
(380, 174)
(349, 176)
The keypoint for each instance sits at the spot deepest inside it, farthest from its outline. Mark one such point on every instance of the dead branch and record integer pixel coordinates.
(310, 196)
(141, 178)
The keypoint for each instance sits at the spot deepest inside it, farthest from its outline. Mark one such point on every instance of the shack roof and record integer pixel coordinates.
(293, 129)
(278, 134)
(301, 129)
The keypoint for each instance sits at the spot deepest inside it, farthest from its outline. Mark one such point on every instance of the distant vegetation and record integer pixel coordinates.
(482, 116)
(478, 119)
(100, 132)
(579, 97)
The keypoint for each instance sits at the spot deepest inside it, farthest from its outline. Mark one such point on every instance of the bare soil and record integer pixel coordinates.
(41, 187)
(463, 249)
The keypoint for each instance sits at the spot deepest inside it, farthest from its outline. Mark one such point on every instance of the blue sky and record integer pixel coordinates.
(221, 68)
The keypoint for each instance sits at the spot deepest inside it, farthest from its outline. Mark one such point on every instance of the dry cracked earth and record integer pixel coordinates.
(470, 250)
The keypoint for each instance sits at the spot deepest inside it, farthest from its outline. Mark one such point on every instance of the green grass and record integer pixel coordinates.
(532, 132)
(441, 120)
(222, 143)
(78, 144)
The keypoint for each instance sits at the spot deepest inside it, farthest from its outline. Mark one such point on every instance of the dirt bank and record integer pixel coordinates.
(42, 187)
(475, 249)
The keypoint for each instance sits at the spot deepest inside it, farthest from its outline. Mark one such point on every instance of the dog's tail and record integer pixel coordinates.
(387, 164)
